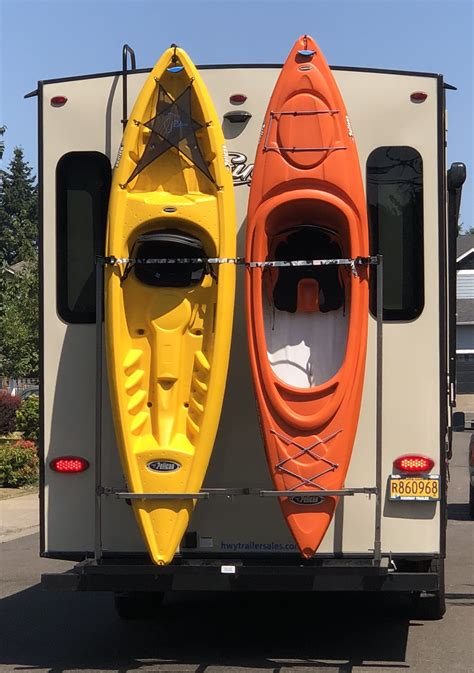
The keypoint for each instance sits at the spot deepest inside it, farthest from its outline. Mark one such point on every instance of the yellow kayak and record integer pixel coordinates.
(168, 325)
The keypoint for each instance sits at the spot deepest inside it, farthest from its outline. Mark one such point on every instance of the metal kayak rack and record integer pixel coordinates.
(207, 493)
(102, 491)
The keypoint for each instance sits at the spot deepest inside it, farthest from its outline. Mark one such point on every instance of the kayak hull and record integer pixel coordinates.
(168, 326)
(307, 326)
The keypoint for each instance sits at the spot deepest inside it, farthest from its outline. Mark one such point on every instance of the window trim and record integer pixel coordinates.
(62, 307)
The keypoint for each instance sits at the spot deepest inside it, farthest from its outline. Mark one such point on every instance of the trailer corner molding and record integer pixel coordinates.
(168, 326)
(307, 326)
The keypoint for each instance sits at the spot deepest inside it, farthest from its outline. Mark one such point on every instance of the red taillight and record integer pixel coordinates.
(418, 97)
(238, 98)
(58, 101)
(413, 463)
(69, 464)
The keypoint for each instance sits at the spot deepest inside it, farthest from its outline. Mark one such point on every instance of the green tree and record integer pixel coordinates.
(18, 211)
(19, 323)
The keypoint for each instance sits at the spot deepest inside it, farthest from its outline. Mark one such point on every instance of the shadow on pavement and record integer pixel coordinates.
(458, 511)
(195, 631)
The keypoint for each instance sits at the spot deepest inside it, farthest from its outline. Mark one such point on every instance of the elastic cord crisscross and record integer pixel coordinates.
(306, 450)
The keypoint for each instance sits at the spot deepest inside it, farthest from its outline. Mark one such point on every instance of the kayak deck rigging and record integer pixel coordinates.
(275, 116)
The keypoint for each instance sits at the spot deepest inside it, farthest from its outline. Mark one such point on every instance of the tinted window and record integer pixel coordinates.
(82, 193)
(395, 210)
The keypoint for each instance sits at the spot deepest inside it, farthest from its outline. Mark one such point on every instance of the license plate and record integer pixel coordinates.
(413, 488)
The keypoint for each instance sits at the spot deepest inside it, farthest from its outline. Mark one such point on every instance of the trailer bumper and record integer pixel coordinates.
(237, 576)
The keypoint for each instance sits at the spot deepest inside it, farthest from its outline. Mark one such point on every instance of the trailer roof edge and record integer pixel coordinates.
(116, 73)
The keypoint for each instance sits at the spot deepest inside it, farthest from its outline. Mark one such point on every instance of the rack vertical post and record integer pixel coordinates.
(99, 316)
(379, 412)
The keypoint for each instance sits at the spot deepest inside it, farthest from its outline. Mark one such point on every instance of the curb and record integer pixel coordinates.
(10, 535)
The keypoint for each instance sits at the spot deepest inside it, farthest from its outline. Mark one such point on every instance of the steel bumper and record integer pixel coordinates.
(238, 576)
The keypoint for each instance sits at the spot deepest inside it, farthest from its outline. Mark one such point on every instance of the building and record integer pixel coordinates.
(465, 313)
(12, 271)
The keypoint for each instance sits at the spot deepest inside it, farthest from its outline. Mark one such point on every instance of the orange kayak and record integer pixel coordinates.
(307, 324)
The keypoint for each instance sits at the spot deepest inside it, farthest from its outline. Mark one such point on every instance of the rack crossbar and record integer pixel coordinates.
(202, 495)
(322, 493)
(232, 492)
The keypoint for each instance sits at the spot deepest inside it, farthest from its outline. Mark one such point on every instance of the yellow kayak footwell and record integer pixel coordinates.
(168, 326)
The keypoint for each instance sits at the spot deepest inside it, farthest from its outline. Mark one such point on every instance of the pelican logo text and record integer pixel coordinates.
(240, 169)
(307, 499)
(163, 465)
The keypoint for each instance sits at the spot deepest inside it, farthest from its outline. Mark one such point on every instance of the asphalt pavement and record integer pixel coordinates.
(19, 516)
(253, 633)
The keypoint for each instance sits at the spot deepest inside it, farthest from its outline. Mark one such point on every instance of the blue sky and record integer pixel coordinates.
(43, 39)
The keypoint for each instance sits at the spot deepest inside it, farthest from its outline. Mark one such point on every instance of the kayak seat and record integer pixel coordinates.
(308, 288)
(308, 296)
(169, 244)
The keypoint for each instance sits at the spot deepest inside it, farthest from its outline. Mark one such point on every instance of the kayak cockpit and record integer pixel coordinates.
(155, 252)
(307, 289)
(306, 308)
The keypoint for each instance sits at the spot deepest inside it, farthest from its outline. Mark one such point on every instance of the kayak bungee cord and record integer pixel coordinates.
(241, 261)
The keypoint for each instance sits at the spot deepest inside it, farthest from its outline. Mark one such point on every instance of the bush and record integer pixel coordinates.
(27, 418)
(8, 407)
(19, 464)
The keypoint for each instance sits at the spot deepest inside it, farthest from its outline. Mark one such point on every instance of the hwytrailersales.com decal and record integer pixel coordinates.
(251, 545)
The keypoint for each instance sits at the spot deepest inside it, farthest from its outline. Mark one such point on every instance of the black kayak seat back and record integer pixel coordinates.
(308, 242)
(169, 244)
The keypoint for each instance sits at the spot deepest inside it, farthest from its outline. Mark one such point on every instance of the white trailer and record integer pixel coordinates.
(237, 539)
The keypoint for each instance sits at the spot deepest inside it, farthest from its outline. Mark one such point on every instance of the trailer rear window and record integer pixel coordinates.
(395, 211)
(82, 195)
